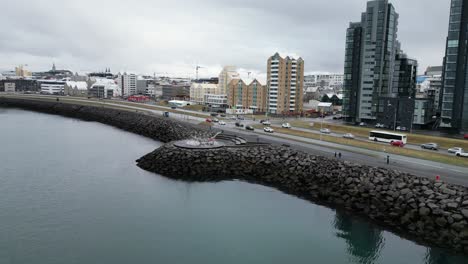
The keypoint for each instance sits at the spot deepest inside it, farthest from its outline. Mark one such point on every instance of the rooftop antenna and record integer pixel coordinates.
(249, 74)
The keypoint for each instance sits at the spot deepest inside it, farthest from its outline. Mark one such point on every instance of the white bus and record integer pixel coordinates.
(389, 137)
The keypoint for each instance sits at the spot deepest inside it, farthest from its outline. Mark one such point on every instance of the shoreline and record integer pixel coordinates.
(421, 210)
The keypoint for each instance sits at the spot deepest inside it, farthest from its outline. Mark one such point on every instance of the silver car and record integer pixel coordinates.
(325, 131)
(348, 136)
(431, 146)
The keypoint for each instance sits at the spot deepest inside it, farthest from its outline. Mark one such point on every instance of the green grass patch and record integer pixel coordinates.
(453, 160)
(193, 107)
(415, 139)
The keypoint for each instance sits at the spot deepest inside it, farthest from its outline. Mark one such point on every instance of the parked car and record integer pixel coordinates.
(223, 115)
(348, 136)
(240, 118)
(222, 123)
(431, 146)
(173, 107)
(268, 129)
(378, 125)
(338, 117)
(233, 118)
(286, 125)
(400, 128)
(397, 143)
(214, 114)
(209, 120)
(251, 128)
(266, 123)
(216, 120)
(325, 131)
(462, 154)
(362, 124)
(455, 150)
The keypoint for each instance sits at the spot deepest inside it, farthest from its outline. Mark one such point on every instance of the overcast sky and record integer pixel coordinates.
(172, 37)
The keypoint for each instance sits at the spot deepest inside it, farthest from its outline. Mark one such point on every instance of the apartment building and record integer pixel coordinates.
(379, 80)
(127, 83)
(247, 94)
(228, 74)
(285, 84)
(454, 105)
(199, 90)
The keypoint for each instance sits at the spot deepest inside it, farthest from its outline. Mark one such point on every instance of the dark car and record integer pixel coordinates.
(239, 124)
(466, 136)
(251, 128)
(223, 115)
(173, 107)
(214, 114)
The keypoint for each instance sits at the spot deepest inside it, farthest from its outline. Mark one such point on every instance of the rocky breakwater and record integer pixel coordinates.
(429, 212)
(155, 127)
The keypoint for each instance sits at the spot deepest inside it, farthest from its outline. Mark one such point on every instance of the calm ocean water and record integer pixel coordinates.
(70, 193)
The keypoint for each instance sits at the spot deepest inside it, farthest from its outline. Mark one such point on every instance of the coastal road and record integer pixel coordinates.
(423, 168)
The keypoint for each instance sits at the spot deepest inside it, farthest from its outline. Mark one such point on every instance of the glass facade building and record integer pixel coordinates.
(454, 98)
(375, 67)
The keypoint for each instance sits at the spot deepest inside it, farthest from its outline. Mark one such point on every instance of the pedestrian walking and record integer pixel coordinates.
(339, 155)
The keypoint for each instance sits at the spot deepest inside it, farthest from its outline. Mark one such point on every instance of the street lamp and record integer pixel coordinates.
(395, 115)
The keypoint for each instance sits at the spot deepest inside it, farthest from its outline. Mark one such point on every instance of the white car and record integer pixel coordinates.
(325, 131)
(378, 125)
(455, 150)
(462, 154)
(268, 130)
(266, 123)
(286, 125)
(222, 123)
(348, 136)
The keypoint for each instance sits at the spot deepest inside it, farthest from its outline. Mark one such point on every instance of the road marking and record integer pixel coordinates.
(457, 171)
(419, 163)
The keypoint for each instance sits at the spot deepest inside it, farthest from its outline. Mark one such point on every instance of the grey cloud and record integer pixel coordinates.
(174, 36)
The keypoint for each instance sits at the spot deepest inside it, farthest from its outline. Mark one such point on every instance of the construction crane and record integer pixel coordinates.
(197, 68)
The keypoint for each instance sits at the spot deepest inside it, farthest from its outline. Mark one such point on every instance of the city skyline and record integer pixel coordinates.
(162, 38)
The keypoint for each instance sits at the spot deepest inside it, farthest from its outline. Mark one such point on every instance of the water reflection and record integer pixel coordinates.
(438, 256)
(363, 241)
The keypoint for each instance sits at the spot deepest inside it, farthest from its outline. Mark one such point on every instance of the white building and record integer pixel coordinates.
(52, 86)
(127, 84)
(10, 87)
(216, 100)
(228, 74)
(105, 88)
(76, 88)
(199, 90)
(333, 80)
(151, 90)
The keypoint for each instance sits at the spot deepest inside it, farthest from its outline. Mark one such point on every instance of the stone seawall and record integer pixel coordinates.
(429, 212)
(155, 127)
